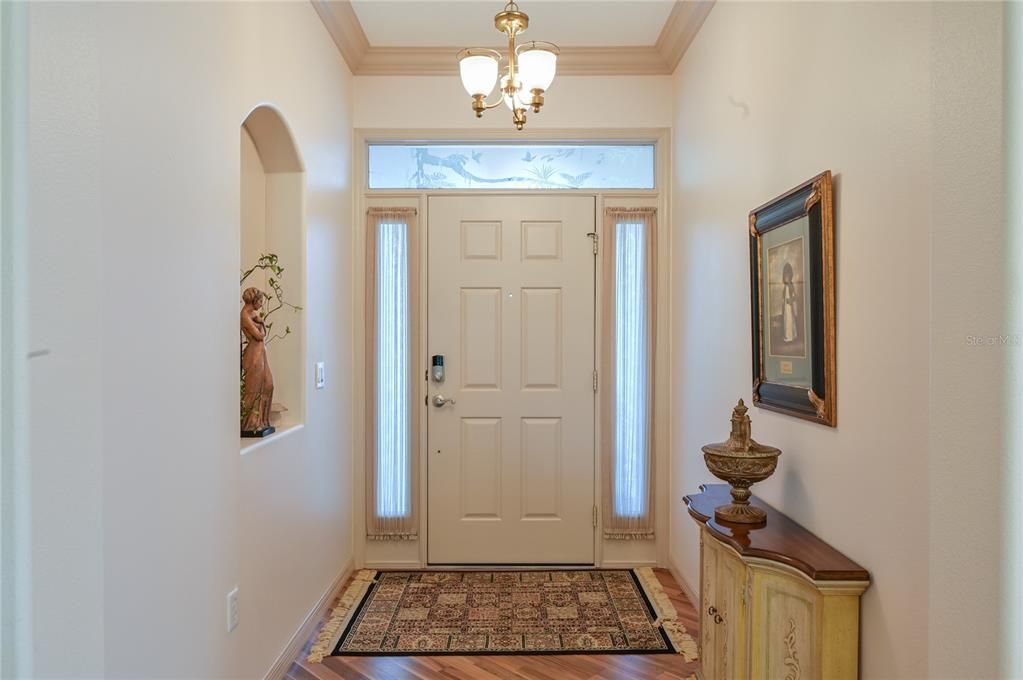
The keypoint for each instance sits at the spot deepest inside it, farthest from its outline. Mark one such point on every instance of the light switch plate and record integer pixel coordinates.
(321, 375)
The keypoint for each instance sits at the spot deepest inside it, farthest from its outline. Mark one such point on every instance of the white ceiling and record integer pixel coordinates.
(458, 23)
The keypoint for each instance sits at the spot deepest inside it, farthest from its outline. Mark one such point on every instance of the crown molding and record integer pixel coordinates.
(681, 27)
(577, 61)
(341, 22)
(363, 59)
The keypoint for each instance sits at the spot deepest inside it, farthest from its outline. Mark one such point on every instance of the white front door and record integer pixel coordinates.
(511, 307)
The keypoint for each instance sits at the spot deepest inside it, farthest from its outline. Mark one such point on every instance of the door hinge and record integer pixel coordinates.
(594, 516)
(595, 380)
(596, 241)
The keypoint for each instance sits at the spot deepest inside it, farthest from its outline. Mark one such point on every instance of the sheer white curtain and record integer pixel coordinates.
(627, 372)
(392, 427)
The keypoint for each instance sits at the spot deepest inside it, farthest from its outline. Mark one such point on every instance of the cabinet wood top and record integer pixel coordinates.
(781, 539)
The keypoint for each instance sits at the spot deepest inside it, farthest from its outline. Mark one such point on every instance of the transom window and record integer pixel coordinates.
(511, 166)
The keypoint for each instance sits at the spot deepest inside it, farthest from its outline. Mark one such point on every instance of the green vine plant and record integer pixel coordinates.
(273, 301)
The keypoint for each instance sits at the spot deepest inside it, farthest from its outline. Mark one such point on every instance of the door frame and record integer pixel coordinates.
(413, 554)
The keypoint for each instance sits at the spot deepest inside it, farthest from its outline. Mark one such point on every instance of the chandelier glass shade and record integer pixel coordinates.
(478, 68)
(528, 74)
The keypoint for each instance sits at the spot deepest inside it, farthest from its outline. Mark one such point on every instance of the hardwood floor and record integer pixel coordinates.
(543, 667)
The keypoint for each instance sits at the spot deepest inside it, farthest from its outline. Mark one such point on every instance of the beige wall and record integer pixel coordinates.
(901, 101)
(144, 515)
(400, 102)
(253, 206)
(969, 454)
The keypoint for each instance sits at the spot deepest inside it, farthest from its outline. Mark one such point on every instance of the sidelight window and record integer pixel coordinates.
(628, 399)
(391, 335)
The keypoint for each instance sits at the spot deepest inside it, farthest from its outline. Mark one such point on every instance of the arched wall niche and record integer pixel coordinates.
(277, 149)
(273, 221)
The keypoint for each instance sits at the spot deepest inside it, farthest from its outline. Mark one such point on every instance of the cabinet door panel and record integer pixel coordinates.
(786, 625)
(731, 632)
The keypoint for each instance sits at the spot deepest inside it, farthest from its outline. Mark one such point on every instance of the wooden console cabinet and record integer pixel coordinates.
(776, 602)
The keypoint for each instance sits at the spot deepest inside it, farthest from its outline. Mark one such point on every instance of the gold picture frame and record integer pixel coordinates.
(792, 302)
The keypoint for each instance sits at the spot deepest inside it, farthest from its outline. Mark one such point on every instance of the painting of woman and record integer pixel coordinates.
(786, 297)
(789, 301)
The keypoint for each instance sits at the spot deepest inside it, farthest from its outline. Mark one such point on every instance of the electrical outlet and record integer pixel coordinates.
(232, 610)
(321, 375)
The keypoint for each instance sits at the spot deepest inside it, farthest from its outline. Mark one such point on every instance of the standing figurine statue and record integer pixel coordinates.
(257, 379)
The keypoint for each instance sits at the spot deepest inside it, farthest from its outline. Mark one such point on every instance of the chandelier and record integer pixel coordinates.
(529, 73)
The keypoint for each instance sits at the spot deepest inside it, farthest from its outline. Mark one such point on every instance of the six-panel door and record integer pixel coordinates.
(510, 460)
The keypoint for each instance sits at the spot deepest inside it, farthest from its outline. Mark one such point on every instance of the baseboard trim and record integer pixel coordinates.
(384, 565)
(687, 589)
(412, 565)
(305, 632)
(627, 564)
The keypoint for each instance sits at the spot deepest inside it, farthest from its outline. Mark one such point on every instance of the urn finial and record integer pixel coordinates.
(741, 462)
(739, 440)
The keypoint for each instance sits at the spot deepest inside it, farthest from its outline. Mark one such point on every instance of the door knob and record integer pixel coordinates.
(439, 401)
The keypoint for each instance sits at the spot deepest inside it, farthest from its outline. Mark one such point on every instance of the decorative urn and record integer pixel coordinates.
(741, 462)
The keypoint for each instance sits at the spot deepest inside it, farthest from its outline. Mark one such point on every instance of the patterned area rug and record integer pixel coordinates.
(503, 612)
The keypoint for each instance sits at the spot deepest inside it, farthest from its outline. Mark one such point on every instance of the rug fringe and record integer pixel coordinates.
(331, 631)
(667, 615)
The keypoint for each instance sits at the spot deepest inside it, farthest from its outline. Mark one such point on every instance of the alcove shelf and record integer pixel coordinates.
(273, 221)
(250, 445)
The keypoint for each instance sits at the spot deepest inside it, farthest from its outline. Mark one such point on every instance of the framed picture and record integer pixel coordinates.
(792, 291)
